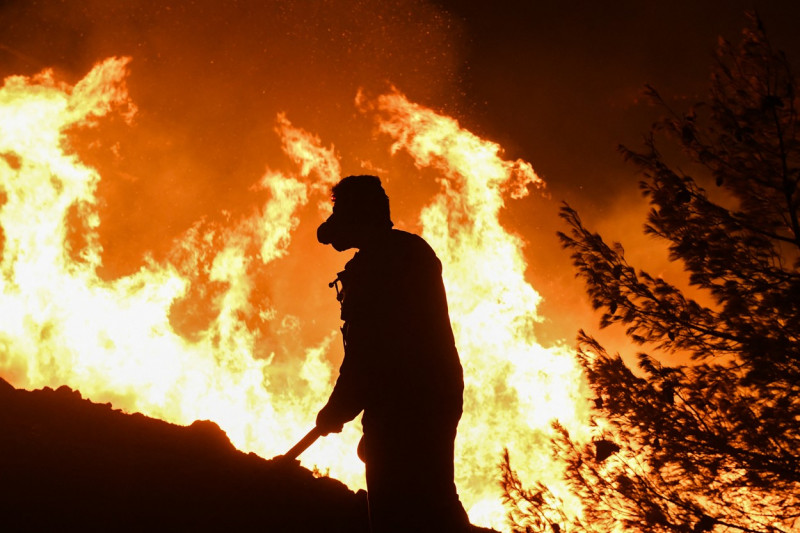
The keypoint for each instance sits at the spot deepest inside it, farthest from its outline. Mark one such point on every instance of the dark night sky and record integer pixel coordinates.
(557, 84)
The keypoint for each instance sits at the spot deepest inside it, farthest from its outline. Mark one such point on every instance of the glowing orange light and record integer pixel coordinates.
(60, 323)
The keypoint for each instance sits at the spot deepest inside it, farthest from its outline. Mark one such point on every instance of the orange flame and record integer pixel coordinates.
(514, 386)
(114, 340)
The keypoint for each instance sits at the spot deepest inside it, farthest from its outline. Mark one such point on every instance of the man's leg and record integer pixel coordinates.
(410, 483)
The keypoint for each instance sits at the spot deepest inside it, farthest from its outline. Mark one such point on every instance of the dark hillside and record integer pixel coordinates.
(69, 464)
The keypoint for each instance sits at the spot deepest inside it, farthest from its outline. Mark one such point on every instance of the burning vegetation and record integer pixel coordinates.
(182, 293)
(207, 332)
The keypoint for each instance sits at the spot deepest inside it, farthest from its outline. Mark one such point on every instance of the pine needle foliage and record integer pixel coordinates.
(712, 444)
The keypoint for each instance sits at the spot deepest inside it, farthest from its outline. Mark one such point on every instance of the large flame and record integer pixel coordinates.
(117, 340)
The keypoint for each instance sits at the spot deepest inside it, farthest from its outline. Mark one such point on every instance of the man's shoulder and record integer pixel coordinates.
(412, 254)
(410, 244)
(398, 250)
(398, 237)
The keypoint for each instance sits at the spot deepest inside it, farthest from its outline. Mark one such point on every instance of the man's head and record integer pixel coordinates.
(360, 211)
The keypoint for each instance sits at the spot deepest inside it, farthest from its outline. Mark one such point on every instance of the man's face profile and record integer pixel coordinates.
(360, 214)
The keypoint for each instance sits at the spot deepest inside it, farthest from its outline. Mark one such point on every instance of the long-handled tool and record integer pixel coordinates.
(301, 445)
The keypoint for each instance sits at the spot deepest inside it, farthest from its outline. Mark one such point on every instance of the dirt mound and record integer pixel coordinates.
(67, 463)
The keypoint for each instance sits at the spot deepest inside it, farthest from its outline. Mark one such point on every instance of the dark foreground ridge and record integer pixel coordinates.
(67, 464)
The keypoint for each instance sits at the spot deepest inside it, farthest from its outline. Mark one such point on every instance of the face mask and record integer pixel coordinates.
(337, 233)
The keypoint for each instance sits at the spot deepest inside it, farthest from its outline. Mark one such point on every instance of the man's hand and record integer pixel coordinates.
(327, 423)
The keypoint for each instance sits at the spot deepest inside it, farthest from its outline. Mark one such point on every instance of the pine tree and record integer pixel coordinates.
(712, 444)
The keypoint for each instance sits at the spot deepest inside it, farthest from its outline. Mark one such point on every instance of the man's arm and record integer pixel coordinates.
(346, 400)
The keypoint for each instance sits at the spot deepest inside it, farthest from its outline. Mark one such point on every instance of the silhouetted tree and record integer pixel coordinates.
(712, 444)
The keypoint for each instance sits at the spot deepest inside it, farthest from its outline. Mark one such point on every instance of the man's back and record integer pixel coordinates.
(398, 333)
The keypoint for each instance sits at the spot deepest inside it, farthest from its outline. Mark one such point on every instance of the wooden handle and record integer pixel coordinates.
(304, 443)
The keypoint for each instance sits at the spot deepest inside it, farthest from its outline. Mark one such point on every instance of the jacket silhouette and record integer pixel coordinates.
(401, 366)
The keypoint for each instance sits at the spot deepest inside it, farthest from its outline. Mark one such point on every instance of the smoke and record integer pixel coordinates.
(209, 79)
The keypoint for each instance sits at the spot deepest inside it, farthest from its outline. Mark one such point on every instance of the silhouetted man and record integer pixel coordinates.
(400, 365)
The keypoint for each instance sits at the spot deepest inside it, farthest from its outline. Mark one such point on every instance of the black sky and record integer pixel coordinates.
(560, 83)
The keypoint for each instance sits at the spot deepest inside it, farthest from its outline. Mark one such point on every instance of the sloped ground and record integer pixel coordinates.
(67, 464)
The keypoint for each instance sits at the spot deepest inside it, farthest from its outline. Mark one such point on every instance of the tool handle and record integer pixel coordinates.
(303, 443)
